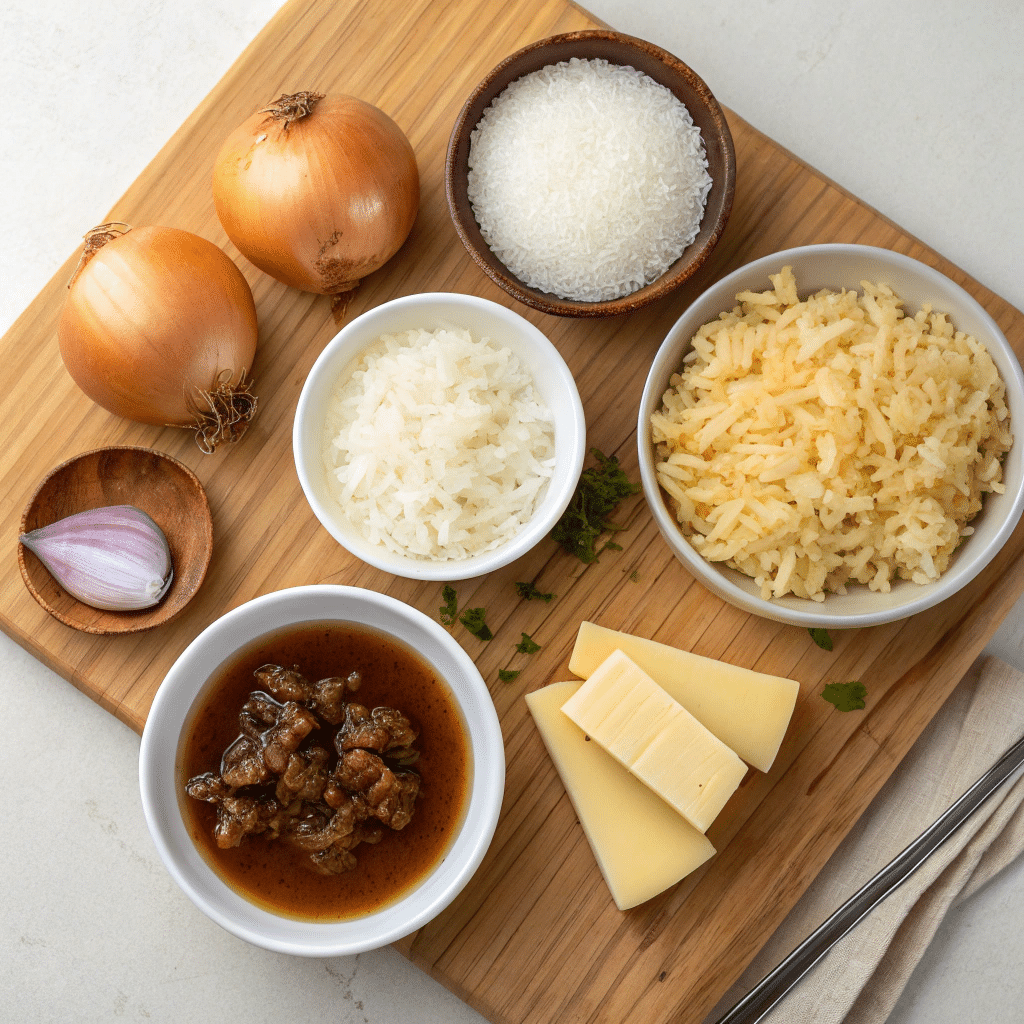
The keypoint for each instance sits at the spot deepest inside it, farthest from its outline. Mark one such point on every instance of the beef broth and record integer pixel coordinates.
(278, 876)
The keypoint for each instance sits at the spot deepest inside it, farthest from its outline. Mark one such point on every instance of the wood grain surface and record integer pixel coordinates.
(535, 936)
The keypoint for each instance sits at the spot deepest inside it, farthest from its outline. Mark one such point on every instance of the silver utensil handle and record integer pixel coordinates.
(774, 986)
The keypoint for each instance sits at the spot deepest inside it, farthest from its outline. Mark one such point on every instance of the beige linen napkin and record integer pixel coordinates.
(862, 977)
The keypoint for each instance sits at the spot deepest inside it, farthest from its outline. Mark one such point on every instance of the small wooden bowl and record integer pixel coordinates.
(619, 49)
(162, 487)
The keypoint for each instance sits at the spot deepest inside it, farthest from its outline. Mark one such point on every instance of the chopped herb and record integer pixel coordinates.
(634, 576)
(450, 608)
(846, 696)
(473, 620)
(506, 675)
(529, 591)
(527, 645)
(597, 495)
(821, 638)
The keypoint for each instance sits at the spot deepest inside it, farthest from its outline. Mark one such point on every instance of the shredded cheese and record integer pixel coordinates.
(437, 445)
(811, 444)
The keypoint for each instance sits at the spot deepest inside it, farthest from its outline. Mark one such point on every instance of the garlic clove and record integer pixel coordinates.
(113, 558)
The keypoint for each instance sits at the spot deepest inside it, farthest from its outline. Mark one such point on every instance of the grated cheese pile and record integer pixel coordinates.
(437, 445)
(588, 179)
(811, 444)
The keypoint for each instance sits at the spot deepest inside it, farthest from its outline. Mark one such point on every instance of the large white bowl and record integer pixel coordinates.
(430, 311)
(162, 787)
(834, 266)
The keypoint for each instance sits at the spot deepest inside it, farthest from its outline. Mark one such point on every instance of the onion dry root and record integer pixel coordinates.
(317, 191)
(159, 326)
(228, 409)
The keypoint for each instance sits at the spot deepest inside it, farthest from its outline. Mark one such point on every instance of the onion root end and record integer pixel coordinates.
(224, 413)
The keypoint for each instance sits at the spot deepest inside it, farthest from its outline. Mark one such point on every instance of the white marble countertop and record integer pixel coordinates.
(914, 107)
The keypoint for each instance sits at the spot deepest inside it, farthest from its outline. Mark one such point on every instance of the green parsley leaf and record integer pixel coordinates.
(473, 620)
(846, 696)
(527, 645)
(450, 608)
(821, 638)
(634, 576)
(597, 495)
(529, 591)
(506, 675)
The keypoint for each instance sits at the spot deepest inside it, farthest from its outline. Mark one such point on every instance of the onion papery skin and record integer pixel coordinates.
(155, 321)
(321, 201)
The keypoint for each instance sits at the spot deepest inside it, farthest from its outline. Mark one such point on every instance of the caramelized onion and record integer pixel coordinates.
(159, 326)
(317, 191)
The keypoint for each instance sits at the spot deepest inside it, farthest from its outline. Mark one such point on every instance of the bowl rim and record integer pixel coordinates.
(172, 707)
(688, 264)
(720, 579)
(562, 486)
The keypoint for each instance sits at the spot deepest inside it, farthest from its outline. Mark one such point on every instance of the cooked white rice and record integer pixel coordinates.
(811, 444)
(587, 179)
(437, 445)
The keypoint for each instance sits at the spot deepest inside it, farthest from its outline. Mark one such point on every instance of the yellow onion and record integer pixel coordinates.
(159, 326)
(317, 191)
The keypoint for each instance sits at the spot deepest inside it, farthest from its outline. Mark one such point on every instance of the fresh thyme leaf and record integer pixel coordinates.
(527, 645)
(634, 576)
(597, 495)
(450, 608)
(846, 696)
(529, 591)
(473, 620)
(506, 675)
(821, 638)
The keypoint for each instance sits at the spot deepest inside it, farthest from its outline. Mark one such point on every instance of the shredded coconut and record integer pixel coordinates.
(588, 179)
(437, 445)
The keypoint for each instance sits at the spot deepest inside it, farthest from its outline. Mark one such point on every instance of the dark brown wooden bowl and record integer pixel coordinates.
(162, 487)
(665, 69)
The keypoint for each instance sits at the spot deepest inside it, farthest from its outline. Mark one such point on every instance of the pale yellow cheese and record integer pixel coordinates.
(641, 844)
(657, 739)
(748, 711)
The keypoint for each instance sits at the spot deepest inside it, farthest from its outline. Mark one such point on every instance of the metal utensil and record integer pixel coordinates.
(774, 986)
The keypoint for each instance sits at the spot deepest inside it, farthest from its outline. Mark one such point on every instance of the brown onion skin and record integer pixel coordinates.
(339, 186)
(153, 293)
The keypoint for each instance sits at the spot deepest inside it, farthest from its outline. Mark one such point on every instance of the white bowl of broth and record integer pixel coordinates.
(270, 891)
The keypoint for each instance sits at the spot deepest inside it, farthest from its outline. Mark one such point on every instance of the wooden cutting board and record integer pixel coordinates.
(535, 936)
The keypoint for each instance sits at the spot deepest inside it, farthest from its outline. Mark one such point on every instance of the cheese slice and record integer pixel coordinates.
(641, 844)
(748, 711)
(657, 739)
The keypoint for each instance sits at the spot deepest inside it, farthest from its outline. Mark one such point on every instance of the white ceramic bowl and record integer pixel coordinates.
(162, 788)
(834, 266)
(430, 311)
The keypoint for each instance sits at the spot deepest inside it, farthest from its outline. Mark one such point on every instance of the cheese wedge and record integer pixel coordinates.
(657, 739)
(748, 711)
(641, 844)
